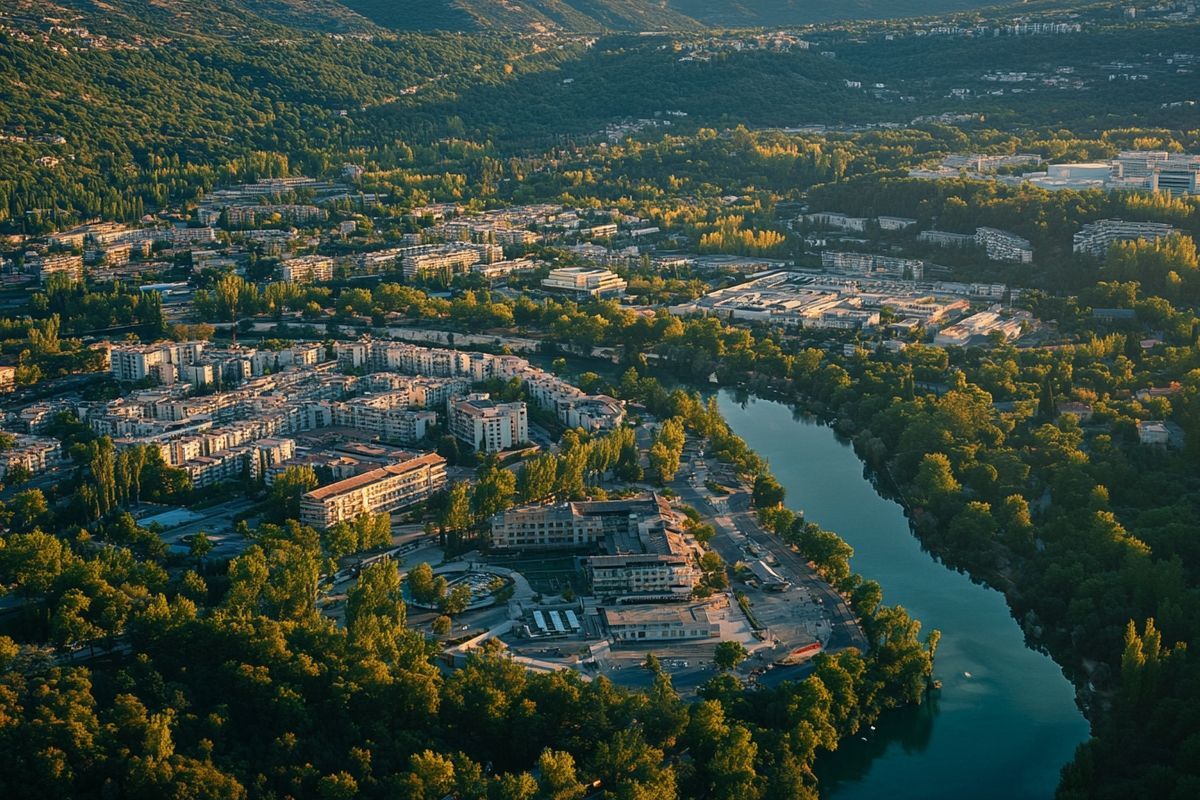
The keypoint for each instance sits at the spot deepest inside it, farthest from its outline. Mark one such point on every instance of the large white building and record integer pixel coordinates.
(447, 261)
(637, 577)
(487, 426)
(385, 415)
(872, 264)
(1004, 246)
(1096, 237)
(307, 269)
(161, 361)
(389, 488)
(583, 282)
(660, 623)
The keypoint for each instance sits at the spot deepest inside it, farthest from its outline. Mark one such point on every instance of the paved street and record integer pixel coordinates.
(737, 526)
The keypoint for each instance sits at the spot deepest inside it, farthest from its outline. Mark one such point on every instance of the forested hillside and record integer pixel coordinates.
(635, 15)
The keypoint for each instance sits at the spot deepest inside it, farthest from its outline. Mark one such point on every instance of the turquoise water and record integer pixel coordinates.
(1005, 721)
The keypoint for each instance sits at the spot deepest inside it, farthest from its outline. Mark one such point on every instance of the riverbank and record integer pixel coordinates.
(1005, 721)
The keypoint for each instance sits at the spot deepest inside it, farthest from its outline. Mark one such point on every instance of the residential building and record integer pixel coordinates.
(1095, 238)
(486, 425)
(895, 223)
(582, 282)
(33, 453)
(1004, 246)
(832, 219)
(562, 526)
(946, 239)
(61, 264)
(307, 269)
(635, 525)
(8, 378)
(160, 361)
(384, 490)
(448, 261)
(641, 577)
(1153, 432)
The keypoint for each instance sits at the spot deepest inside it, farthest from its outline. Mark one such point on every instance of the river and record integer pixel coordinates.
(1005, 720)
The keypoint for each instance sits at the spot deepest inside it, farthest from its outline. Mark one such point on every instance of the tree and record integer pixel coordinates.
(33, 561)
(729, 654)
(557, 779)
(200, 546)
(494, 492)
(289, 486)
(28, 509)
(457, 514)
(70, 625)
(935, 483)
(767, 491)
(441, 625)
(1047, 406)
(375, 610)
(421, 583)
(456, 600)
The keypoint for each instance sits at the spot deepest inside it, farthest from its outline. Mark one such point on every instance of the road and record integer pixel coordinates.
(735, 523)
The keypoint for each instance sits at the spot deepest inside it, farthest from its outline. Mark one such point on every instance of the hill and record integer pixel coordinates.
(633, 15)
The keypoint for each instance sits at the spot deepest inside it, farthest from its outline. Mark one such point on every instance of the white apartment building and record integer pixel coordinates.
(387, 489)
(582, 282)
(1095, 238)
(447, 261)
(130, 363)
(386, 416)
(485, 425)
(1004, 246)
(895, 223)
(34, 453)
(946, 238)
(633, 577)
(562, 526)
(832, 219)
(307, 269)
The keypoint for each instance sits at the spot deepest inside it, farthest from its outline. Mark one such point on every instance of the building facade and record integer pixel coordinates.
(487, 426)
(389, 488)
(1096, 238)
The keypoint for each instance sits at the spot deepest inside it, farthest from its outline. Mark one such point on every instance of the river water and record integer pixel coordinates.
(1005, 720)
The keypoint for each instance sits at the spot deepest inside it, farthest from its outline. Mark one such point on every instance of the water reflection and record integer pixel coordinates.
(1005, 720)
(909, 728)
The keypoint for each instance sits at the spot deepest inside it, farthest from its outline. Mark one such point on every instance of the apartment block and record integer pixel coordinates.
(63, 264)
(161, 361)
(486, 425)
(33, 453)
(387, 489)
(1004, 246)
(1096, 238)
(642, 577)
(307, 269)
(946, 238)
(832, 219)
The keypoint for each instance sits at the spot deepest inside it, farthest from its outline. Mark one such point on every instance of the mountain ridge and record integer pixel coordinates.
(634, 15)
